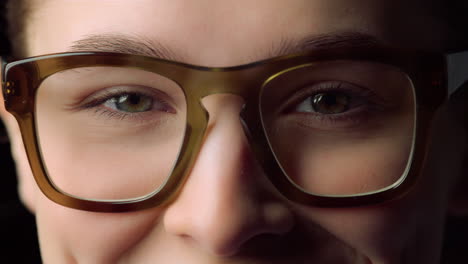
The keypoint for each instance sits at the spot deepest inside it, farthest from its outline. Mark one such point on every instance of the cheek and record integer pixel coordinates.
(27, 186)
(408, 230)
(342, 163)
(73, 236)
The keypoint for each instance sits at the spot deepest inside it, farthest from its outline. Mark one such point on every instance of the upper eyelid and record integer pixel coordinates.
(305, 92)
(124, 89)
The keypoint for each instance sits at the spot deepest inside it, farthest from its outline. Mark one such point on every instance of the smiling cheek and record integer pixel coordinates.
(74, 236)
(407, 230)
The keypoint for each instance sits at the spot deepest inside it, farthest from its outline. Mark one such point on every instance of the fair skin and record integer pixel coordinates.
(231, 223)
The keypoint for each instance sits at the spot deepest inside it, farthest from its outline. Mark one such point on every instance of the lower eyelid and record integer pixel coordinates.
(141, 118)
(326, 122)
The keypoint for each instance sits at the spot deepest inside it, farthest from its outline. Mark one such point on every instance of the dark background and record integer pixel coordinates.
(17, 225)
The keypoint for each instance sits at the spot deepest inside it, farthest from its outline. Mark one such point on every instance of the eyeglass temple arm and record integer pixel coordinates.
(457, 70)
(3, 63)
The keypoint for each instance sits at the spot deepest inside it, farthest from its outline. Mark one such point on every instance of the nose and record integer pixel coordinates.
(226, 200)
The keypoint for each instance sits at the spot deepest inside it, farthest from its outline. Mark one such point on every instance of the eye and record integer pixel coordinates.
(130, 102)
(325, 103)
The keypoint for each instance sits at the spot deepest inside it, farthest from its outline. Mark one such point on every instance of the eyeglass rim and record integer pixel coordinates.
(23, 77)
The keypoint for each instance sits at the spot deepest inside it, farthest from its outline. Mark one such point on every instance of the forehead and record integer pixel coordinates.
(223, 33)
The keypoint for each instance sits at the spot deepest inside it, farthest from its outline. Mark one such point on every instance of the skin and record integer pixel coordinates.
(242, 218)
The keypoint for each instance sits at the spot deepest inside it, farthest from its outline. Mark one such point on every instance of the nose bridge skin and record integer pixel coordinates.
(226, 201)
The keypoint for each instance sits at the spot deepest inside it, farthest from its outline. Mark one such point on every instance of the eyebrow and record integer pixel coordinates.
(120, 43)
(349, 39)
(138, 45)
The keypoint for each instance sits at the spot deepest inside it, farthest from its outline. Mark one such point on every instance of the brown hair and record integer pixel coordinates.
(16, 12)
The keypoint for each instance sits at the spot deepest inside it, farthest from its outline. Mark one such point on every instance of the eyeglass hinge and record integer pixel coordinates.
(9, 88)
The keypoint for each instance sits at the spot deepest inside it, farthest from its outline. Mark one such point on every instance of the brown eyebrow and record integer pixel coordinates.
(348, 39)
(120, 43)
(138, 45)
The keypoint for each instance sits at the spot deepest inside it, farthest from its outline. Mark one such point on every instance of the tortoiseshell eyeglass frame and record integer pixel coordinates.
(428, 72)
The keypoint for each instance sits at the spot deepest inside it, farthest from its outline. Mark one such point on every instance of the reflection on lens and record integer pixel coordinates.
(340, 127)
(109, 133)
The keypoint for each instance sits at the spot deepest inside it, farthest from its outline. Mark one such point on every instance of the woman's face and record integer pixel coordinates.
(227, 211)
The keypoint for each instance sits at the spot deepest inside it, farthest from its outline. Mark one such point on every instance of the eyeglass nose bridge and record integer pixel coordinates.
(245, 83)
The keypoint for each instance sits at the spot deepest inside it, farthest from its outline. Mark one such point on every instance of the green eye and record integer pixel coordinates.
(131, 103)
(330, 103)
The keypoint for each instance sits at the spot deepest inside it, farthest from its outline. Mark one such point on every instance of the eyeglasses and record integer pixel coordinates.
(112, 132)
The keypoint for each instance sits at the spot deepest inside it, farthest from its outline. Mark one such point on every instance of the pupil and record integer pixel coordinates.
(133, 103)
(330, 103)
(329, 99)
(133, 99)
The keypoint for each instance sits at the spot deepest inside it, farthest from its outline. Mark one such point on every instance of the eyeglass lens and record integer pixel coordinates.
(341, 127)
